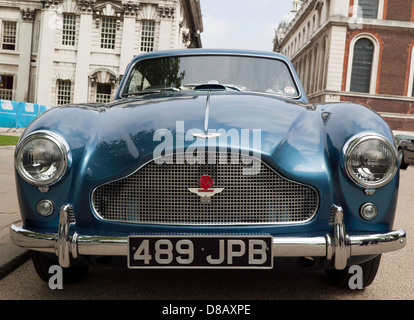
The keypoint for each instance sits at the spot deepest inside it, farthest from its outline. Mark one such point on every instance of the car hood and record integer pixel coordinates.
(111, 141)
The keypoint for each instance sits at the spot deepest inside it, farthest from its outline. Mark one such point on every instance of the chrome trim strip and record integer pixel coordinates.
(131, 69)
(207, 113)
(337, 248)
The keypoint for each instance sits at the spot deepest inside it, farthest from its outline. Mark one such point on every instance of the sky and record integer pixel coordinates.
(241, 24)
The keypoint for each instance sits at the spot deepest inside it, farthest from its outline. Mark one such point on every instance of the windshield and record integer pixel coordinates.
(230, 73)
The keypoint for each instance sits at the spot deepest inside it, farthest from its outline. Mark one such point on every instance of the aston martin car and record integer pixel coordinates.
(208, 159)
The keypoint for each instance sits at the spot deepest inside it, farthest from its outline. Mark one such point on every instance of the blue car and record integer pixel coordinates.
(208, 159)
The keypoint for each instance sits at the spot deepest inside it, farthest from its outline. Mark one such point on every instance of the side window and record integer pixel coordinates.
(137, 83)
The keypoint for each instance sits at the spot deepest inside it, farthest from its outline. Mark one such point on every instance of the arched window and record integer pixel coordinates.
(362, 65)
(410, 92)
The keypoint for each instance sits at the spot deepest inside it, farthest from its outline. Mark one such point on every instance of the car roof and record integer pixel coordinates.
(163, 53)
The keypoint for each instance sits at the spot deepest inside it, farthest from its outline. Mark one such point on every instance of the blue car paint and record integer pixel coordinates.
(302, 142)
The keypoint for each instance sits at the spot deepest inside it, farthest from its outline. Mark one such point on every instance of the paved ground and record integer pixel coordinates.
(11, 256)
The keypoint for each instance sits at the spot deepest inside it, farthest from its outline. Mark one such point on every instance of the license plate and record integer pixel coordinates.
(200, 252)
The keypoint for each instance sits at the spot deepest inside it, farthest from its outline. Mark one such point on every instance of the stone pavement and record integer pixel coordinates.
(11, 256)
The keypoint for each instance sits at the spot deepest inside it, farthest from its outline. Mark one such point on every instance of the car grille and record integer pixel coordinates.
(253, 194)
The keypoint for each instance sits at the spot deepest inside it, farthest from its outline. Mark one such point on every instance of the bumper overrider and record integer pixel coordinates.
(67, 244)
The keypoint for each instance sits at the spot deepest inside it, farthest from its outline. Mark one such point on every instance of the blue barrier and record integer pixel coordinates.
(8, 114)
(19, 114)
(43, 108)
(26, 113)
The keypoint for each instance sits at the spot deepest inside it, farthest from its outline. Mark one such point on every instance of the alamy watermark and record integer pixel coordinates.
(244, 146)
(56, 278)
(356, 20)
(356, 281)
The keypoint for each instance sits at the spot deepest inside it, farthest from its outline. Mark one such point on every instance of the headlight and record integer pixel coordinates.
(42, 158)
(370, 160)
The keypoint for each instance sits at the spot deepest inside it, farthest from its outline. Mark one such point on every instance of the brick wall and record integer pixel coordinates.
(404, 122)
(400, 10)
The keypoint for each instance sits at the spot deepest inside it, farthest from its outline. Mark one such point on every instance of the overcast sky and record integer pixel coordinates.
(241, 24)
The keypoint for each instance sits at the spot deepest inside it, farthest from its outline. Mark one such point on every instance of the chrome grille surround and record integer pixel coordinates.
(158, 194)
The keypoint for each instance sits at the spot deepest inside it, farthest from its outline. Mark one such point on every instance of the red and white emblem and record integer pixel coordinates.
(205, 191)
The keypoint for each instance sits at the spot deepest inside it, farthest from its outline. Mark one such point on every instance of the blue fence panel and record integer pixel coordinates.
(8, 113)
(26, 113)
(43, 108)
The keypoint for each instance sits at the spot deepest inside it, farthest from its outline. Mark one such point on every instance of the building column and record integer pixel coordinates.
(25, 53)
(83, 58)
(130, 12)
(335, 64)
(167, 14)
(45, 57)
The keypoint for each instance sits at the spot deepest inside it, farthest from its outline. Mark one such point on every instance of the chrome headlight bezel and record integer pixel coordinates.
(62, 147)
(355, 142)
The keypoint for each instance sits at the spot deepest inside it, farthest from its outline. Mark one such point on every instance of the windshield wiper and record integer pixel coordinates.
(150, 91)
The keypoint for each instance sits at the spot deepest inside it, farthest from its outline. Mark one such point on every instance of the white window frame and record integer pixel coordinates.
(411, 75)
(375, 61)
(380, 12)
(66, 94)
(8, 94)
(107, 45)
(103, 97)
(144, 44)
(71, 36)
(2, 35)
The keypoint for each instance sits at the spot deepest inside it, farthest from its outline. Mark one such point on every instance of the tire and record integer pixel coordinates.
(42, 263)
(341, 278)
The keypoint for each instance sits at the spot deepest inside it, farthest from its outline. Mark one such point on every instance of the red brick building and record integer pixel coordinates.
(354, 50)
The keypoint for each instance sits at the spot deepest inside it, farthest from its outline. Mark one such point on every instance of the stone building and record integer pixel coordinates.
(54, 52)
(354, 50)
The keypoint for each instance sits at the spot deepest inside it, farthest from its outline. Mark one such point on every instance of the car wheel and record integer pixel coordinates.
(403, 165)
(341, 277)
(42, 263)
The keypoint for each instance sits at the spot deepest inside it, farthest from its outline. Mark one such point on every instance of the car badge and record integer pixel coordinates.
(205, 191)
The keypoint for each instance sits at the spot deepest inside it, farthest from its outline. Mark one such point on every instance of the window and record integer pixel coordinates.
(369, 8)
(103, 92)
(108, 33)
(412, 92)
(147, 35)
(64, 92)
(69, 29)
(362, 65)
(6, 87)
(9, 35)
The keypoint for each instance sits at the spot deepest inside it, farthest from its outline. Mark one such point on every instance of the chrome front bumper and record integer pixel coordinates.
(67, 244)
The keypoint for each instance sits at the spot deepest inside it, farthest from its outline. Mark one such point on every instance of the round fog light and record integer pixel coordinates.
(45, 207)
(369, 211)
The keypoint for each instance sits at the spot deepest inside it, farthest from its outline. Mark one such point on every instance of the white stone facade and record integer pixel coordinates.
(354, 50)
(72, 51)
(316, 46)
